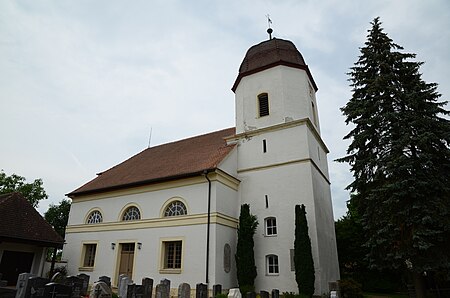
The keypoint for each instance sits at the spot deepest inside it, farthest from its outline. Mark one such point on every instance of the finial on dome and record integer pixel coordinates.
(269, 21)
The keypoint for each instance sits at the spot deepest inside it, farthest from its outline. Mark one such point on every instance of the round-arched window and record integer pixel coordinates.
(95, 217)
(132, 213)
(175, 208)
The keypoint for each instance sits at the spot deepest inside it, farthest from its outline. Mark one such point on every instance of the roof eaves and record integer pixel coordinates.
(139, 183)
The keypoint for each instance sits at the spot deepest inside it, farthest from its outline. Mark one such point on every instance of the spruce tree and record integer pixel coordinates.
(245, 258)
(303, 261)
(400, 159)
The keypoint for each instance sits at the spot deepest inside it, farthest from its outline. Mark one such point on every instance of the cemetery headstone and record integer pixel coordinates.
(76, 284)
(22, 283)
(55, 290)
(250, 295)
(275, 293)
(184, 290)
(58, 277)
(217, 289)
(135, 291)
(100, 289)
(106, 280)
(235, 293)
(264, 294)
(123, 286)
(201, 291)
(162, 291)
(147, 283)
(85, 278)
(166, 282)
(36, 286)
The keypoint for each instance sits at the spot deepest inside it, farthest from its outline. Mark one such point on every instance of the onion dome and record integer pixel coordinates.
(271, 53)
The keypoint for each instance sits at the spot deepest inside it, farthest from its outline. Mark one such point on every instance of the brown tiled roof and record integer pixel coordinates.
(268, 54)
(174, 160)
(20, 222)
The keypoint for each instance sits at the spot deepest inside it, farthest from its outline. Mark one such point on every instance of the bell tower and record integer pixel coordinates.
(282, 162)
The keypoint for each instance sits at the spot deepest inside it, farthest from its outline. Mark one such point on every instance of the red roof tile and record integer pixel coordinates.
(169, 161)
(20, 222)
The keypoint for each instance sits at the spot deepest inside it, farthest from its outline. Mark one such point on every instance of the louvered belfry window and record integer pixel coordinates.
(263, 101)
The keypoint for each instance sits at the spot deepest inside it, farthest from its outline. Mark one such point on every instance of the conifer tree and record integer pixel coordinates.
(303, 261)
(245, 258)
(400, 159)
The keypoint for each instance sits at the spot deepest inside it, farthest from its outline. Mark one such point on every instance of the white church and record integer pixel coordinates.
(171, 211)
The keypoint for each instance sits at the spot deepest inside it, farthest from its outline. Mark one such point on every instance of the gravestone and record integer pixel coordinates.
(36, 286)
(147, 283)
(235, 293)
(85, 278)
(22, 284)
(162, 291)
(58, 277)
(106, 280)
(201, 291)
(275, 293)
(264, 294)
(76, 284)
(123, 286)
(55, 290)
(166, 282)
(184, 290)
(251, 295)
(100, 289)
(217, 289)
(135, 291)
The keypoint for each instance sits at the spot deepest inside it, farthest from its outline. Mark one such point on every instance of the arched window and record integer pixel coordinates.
(175, 208)
(263, 103)
(271, 226)
(132, 213)
(95, 217)
(272, 265)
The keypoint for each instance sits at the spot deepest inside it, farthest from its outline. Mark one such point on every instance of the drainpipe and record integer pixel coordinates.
(205, 173)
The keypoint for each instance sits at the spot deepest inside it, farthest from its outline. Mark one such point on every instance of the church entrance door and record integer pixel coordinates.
(126, 259)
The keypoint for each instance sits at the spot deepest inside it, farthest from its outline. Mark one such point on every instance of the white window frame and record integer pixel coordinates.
(270, 224)
(272, 265)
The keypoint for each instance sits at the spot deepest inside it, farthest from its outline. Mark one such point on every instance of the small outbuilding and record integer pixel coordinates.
(24, 237)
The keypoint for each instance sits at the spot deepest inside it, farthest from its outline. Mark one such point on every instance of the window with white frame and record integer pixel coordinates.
(175, 208)
(272, 265)
(271, 226)
(95, 217)
(132, 213)
(89, 251)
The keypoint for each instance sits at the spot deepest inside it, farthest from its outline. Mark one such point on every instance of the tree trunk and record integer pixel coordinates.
(419, 284)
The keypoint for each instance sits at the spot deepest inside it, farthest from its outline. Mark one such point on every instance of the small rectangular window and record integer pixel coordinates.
(272, 265)
(89, 254)
(264, 146)
(172, 254)
(263, 101)
(267, 201)
(271, 226)
(291, 251)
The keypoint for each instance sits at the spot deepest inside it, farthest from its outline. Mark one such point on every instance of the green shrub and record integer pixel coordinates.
(350, 288)
(220, 295)
(245, 289)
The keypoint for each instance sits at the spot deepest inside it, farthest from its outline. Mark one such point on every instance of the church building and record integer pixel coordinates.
(171, 211)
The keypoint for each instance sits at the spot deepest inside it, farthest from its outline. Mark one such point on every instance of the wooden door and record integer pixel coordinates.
(126, 259)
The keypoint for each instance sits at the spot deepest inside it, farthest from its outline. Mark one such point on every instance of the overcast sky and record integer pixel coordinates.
(83, 82)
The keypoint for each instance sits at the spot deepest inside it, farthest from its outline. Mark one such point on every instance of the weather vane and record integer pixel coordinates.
(269, 21)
